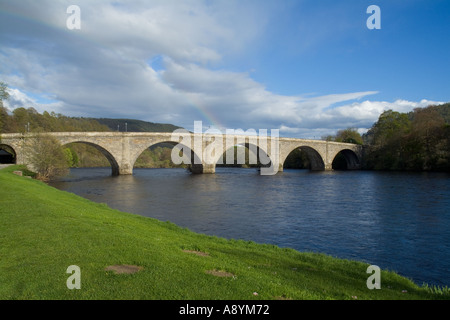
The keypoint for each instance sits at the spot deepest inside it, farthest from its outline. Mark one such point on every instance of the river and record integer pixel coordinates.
(398, 221)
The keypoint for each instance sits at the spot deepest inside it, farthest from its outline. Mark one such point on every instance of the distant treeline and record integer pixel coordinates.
(131, 125)
(23, 120)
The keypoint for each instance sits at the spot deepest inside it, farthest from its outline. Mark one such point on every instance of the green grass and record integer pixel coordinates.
(44, 230)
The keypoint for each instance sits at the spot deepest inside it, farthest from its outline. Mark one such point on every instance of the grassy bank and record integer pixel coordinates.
(44, 230)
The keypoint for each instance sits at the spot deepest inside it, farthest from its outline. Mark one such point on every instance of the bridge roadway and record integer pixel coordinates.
(123, 148)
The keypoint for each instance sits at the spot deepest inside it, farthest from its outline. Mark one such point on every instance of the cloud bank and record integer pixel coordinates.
(161, 61)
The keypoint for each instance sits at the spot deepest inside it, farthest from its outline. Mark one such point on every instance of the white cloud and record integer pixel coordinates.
(368, 110)
(19, 99)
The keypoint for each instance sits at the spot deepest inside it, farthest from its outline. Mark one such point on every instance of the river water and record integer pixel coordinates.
(398, 221)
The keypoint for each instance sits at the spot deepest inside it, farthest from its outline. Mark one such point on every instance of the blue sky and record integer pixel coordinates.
(308, 68)
(337, 53)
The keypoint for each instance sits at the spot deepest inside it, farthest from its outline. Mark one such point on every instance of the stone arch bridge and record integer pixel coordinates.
(123, 148)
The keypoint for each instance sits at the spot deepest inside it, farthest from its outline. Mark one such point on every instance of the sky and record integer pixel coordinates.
(305, 67)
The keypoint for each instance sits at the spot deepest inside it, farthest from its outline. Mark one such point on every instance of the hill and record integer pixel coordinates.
(21, 120)
(132, 125)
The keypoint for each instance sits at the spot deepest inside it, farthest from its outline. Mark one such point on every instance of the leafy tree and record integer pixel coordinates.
(71, 157)
(350, 135)
(328, 137)
(3, 118)
(428, 132)
(45, 156)
(389, 126)
(3, 96)
(3, 91)
(386, 141)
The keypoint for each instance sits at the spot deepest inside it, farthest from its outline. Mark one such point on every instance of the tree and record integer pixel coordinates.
(386, 141)
(45, 156)
(428, 132)
(3, 91)
(71, 157)
(328, 137)
(350, 135)
(3, 96)
(389, 126)
(3, 118)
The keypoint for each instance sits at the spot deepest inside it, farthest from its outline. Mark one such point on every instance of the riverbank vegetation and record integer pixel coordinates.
(43, 231)
(413, 141)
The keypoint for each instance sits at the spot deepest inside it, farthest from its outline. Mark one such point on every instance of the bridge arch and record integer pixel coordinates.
(111, 159)
(244, 153)
(257, 147)
(195, 165)
(315, 158)
(7, 154)
(346, 159)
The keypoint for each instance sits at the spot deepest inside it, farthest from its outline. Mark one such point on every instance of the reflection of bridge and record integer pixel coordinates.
(123, 148)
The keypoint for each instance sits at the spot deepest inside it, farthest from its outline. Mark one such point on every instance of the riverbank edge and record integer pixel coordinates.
(45, 230)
